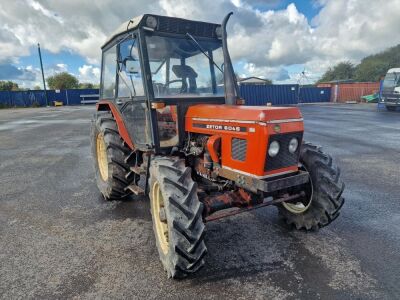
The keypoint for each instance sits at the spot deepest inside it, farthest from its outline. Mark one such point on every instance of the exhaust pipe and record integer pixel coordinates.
(230, 81)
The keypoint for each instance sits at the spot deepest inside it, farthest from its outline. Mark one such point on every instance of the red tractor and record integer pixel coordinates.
(171, 124)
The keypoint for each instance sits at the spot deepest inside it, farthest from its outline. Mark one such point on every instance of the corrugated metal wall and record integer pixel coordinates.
(354, 91)
(275, 94)
(314, 94)
(29, 98)
(351, 91)
(283, 94)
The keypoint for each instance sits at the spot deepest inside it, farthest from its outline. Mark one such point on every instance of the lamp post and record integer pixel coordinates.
(44, 82)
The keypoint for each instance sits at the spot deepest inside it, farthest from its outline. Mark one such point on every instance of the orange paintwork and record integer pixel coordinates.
(243, 113)
(254, 121)
(213, 146)
(118, 118)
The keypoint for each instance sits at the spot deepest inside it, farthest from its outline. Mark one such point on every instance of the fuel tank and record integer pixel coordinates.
(246, 133)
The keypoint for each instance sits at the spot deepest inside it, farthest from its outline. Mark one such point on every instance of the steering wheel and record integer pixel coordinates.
(183, 87)
(183, 52)
(161, 88)
(173, 81)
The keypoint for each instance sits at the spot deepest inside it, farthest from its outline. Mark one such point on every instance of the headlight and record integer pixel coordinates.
(151, 22)
(273, 149)
(293, 144)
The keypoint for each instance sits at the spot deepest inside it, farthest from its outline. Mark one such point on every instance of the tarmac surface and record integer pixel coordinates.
(60, 239)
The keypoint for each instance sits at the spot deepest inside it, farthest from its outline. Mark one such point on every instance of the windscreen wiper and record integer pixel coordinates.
(202, 50)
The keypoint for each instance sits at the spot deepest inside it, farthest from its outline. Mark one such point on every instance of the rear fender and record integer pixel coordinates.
(104, 105)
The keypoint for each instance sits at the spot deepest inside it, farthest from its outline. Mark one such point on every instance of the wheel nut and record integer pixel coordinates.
(163, 216)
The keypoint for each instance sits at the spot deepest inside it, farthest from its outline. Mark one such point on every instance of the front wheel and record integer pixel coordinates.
(323, 192)
(177, 217)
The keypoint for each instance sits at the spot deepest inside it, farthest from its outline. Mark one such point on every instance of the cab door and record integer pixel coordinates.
(130, 93)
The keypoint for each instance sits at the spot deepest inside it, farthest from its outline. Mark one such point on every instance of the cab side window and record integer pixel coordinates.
(130, 81)
(108, 73)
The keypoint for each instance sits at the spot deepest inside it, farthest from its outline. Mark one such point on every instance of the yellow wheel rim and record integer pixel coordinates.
(299, 207)
(102, 162)
(296, 208)
(159, 216)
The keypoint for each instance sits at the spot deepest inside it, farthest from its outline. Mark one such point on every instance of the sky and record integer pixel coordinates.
(275, 39)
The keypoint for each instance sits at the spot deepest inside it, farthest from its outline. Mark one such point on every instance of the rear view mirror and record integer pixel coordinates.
(132, 66)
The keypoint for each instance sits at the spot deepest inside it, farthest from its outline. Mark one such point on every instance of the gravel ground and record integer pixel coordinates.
(60, 239)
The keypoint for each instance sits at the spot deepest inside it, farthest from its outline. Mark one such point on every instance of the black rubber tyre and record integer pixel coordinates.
(391, 108)
(185, 249)
(327, 189)
(118, 157)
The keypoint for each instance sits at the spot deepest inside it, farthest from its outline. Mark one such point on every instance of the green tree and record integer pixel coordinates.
(86, 85)
(374, 67)
(62, 81)
(37, 87)
(8, 86)
(342, 71)
(371, 68)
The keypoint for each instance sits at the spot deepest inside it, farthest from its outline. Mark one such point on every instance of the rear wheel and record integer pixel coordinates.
(112, 158)
(177, 217)
(323, 199)
(391, 108)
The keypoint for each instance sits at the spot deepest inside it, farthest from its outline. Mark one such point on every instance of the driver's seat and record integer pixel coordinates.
(186, 72)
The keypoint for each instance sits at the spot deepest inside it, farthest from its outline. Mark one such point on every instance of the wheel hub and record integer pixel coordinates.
(302, 205)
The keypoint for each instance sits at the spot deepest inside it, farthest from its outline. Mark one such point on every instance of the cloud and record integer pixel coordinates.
(37, 6)
(262, 3)
(77, 26)
(88, 73)
(10, 72)
(273, 73)
(61, 67)
(268, 40)
(10, 45)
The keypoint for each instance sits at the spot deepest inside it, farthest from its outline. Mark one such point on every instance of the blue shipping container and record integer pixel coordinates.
(277, 94)
(314, 94)
(29, 98)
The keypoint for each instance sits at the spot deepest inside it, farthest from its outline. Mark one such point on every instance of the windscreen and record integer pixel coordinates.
(185, 66)
(392, 80)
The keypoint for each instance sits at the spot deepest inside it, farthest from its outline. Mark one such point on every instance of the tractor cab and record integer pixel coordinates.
(154, 67)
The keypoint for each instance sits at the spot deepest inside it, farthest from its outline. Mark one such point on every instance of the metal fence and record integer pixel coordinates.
(282, 94)
(37, 98)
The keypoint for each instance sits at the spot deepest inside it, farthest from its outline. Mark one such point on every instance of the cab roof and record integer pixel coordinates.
(394, 70)
(168, 24)
(124, 27)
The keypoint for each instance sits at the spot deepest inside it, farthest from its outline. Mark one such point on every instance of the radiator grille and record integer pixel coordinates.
(239, 149)
(284, 157)
(181, 26)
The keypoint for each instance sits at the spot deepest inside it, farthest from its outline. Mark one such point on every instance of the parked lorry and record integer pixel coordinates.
(165, 128)
(390, 93)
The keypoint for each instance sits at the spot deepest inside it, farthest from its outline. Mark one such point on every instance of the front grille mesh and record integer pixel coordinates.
(284, 158)
(239, 149)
